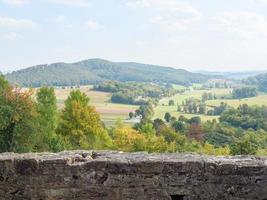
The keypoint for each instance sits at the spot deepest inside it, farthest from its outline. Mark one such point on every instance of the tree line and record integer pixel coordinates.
(135, 93)
(33, 123)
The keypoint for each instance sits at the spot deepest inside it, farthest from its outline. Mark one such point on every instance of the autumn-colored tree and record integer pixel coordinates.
(195, 132)
(156, 144)
(128, 139)
(80, 124)
(17, 119)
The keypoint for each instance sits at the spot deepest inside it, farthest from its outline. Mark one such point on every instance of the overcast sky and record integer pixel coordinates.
(217, 35)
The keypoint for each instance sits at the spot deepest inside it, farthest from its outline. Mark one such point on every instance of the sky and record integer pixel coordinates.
(213, 35)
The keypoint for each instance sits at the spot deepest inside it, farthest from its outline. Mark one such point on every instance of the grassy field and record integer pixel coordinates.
(179, 87)
(179, 98)
(110, 112)
(163, 107)
(258, 100)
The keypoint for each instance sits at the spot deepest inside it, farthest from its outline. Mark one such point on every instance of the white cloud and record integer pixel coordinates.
(81, 3)
(11, 36)
(15, 2)
(93, 25)
(16, 23)
(242, 25)
(171, 15)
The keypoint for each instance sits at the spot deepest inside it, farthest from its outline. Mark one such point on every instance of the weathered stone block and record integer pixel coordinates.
(104, 175)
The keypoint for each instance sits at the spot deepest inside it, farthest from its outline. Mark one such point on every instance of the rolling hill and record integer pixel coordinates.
(98, 70)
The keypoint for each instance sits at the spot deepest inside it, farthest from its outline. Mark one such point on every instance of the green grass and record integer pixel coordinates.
(179, 98)
(163, 107)
(258, 100)
(178, 87)
(161, 110)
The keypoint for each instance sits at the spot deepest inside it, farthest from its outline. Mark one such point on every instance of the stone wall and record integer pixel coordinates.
(89, 175)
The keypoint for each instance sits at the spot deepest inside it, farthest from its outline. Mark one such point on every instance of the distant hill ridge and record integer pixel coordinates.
(93, 71)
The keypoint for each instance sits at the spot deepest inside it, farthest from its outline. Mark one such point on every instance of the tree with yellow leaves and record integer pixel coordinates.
(80, 124)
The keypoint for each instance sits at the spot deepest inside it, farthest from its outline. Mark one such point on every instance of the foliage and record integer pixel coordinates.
(80, 124)
(178, 126)
(135, 93)
(171, 102)
(167, 117)
(192, 105)
(244, 92)
(128, 139)
(145, 111)
(93, 71)
(260, 81)
(195, 132)
(37, 125)
(47, 119)
(120, 97)
(218, 110)
(243, 147)
(246, 117)
(17, 119)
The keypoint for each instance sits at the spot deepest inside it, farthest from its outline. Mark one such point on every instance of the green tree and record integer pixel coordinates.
(195, 120)
(171, 102)
(178, 126)
(202, 109)
(159, 125)
(80, 124)
(243, 147)
(244, 92)
(167, 117)
(48, 119)
(131, 115)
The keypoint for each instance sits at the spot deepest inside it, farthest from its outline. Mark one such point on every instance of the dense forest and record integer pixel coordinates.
(97, 70)
(36, 124)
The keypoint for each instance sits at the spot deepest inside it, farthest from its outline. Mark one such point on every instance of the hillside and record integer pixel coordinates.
(260, 81)
(97, 70)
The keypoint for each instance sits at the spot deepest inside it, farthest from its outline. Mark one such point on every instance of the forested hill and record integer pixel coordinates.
(260, 81)
(97, 70)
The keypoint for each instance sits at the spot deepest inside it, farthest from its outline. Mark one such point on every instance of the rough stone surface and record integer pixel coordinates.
(103, 175)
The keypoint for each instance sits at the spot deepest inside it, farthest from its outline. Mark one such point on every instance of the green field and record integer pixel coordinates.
(258, 100)
(161, 110)
(179, 87)
(110, 112)
(163, 107)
